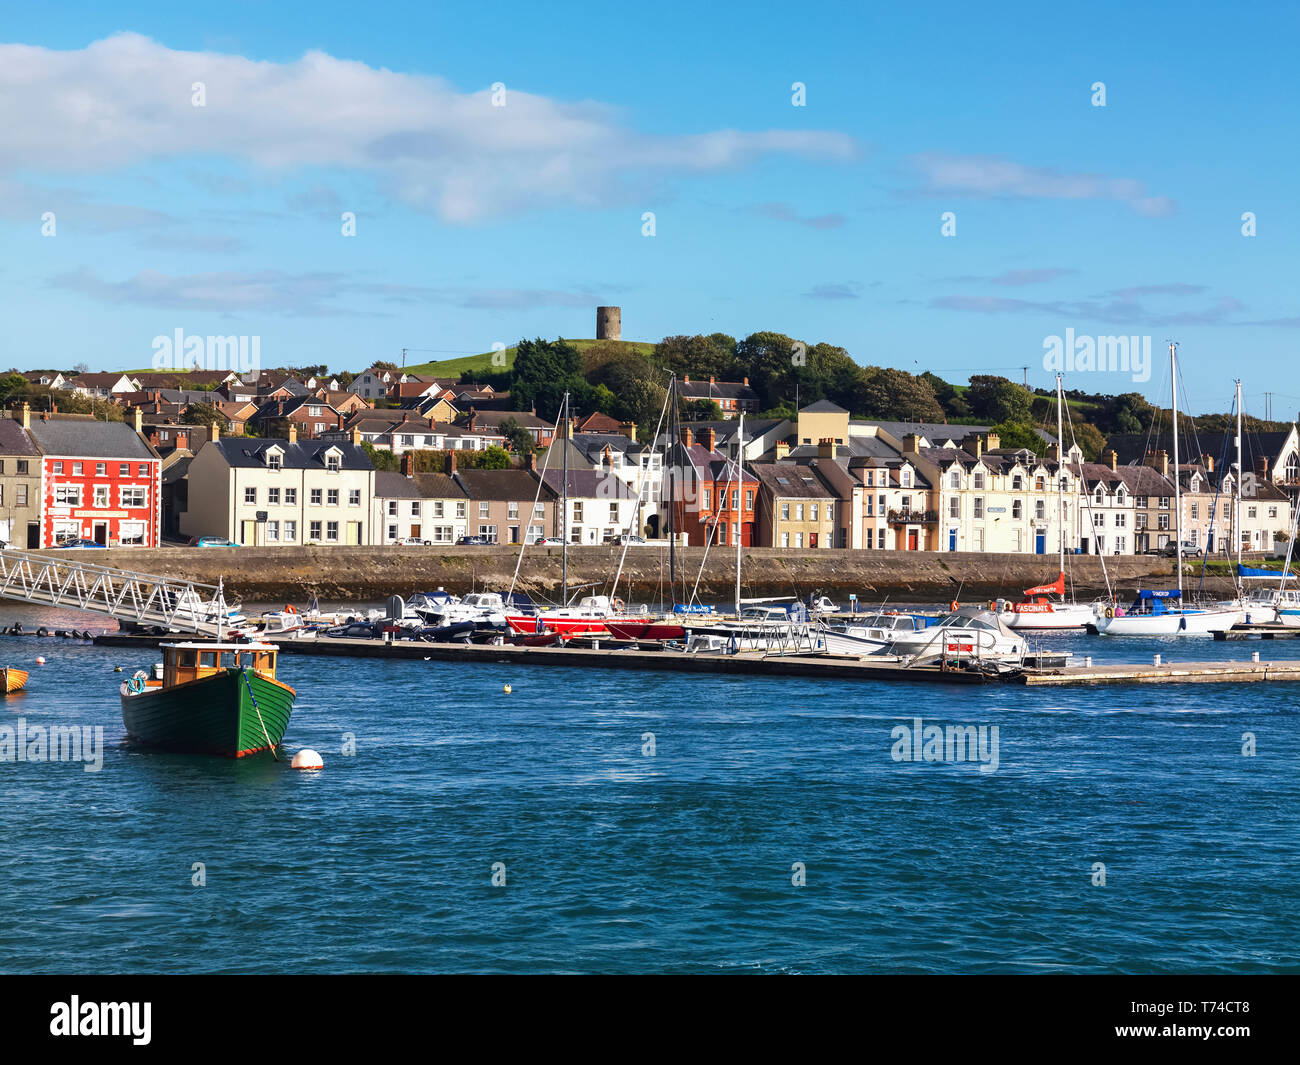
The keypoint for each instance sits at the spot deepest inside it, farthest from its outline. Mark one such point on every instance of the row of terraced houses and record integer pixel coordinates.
(288, 467)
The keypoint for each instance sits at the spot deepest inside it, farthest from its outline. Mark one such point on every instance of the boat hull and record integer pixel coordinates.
(644, 629)
(1048, 616)
(212, 715)
(527, 624)
(1173, 623)
(14, 679)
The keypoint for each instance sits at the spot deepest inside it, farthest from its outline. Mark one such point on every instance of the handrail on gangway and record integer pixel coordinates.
(143, 598)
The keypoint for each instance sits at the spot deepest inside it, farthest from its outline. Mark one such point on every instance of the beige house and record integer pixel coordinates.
(269, 492)
(20, 486)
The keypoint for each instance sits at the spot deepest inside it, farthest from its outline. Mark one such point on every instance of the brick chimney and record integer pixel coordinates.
(1053, 453)
(354, 437)
(293, 432)
(745, 381)
(994, 441)
(25, 414)
(712, 382)
(530, 461)
(708, 437)
(137, 419)
(408, 465)
(826, 448)
(687, 437)
(911, 443)
(686, 379)
(1112, 459)
(214, 432)
(1208, 462)
(451, 464)
(628, 429)
(1261, 467)
(782, 450)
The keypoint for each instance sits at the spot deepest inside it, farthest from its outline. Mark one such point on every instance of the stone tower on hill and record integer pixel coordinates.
(609, 323)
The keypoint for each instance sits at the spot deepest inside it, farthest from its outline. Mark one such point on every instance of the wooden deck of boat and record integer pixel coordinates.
(614, 654)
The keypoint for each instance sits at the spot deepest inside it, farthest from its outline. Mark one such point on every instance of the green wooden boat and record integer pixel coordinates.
(210, 698)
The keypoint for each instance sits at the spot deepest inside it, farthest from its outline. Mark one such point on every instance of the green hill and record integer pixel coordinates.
(483, 363)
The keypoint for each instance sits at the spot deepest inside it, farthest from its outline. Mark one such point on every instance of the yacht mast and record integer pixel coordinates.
(670, 454)
(1236, 525)
(740, 499)
(1178, 493)
(564, 504)
(1060, 459)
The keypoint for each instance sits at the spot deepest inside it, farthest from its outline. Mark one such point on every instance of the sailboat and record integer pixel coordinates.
(1162, 612)
(1044, 606)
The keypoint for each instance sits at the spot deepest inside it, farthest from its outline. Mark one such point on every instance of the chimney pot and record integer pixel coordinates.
(707, 438)
(687, 438)
(408, 465)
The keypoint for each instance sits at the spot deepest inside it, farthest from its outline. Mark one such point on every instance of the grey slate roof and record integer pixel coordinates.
(80, 436)
(305, 454)
(13, 441)
(390, 485)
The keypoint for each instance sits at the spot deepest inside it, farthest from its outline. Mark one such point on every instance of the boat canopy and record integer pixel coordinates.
(1057, 587)
(691, 608)
(1253, 573)
(1160, 593)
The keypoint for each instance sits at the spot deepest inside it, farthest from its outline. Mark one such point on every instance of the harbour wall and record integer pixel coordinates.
(350, 574)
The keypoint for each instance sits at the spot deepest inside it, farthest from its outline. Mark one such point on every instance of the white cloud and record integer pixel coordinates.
(126, 100)
(993, 176)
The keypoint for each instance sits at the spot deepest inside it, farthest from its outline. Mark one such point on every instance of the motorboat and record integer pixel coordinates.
(967, 634)
(874, 634)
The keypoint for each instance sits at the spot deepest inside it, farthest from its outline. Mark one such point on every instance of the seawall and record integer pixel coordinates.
(351, 574)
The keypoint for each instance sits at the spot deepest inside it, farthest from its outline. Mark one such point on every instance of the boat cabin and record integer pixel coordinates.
(1156, 602)
(184, 662)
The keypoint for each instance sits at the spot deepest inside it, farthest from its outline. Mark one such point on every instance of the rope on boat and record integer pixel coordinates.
(243, 672)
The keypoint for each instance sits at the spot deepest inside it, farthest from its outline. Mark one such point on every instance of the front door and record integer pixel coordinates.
(33, 535)
(248, 534)
(354, 532)
(911, 539)
(101, 533)
(1040, 542)
(952, 539)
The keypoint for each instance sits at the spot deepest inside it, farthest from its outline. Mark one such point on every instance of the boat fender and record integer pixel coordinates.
(136, 684)
(1110, 612)
(42, 631)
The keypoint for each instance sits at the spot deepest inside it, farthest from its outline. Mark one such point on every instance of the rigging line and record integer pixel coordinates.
(1087, 502)
(708, 542)
(639, 487)
(523, 543)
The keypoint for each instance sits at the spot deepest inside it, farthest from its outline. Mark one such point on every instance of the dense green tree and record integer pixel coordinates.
(1020, 435)
(203, 414)
(996, 399)
(517, 437)
(895, 395)
(380, 459)
(543, 371)
(701, 410)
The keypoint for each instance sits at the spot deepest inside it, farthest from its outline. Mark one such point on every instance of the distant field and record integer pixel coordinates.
(483, 363)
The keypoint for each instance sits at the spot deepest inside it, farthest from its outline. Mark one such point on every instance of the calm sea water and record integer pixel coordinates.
(619, 861)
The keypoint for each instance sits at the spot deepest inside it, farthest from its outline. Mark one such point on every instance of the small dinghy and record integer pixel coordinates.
(15, 680)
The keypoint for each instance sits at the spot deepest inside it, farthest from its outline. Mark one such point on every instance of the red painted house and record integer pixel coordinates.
(99, 481)
(712, 497)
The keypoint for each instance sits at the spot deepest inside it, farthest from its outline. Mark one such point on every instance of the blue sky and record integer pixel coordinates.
(479, 224)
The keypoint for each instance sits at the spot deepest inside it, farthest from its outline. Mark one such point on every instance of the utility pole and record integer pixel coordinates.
(1026, 369)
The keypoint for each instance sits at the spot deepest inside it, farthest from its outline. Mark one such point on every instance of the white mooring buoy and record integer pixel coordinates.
(40, 661)
(307, 759)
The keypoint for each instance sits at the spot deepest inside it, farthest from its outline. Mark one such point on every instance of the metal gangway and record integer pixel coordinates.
(144, 599)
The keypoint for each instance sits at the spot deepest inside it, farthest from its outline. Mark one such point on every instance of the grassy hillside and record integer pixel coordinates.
(483, 363)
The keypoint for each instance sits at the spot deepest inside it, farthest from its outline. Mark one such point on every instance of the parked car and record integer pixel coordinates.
(79, 542)
(629, 538)
(211, 541)
(557, 541)
(473, 541)
(413, 541)
(1170, 549)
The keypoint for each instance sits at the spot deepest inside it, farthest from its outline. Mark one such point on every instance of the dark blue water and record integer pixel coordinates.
(616, 861)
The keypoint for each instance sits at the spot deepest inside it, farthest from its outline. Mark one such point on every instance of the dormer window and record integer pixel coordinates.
(332, 462)
(274, 458)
